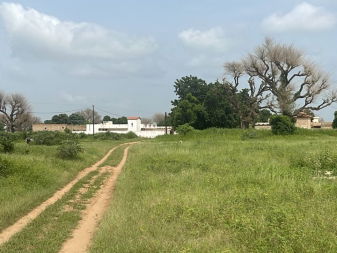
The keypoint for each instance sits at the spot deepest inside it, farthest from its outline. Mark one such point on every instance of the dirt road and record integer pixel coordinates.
(7, 233)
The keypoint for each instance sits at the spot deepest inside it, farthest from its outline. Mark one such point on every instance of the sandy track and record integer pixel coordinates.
(82, 235)
(8, 232)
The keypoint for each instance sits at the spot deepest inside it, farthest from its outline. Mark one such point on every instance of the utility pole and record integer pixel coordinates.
(166, 123)
(93, 120)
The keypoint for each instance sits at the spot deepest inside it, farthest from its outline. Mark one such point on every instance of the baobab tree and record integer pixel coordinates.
(15, 110)
(283, 79)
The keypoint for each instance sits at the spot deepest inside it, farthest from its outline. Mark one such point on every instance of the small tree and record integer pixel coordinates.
(281, 125)
(334, 123)
(184, 129)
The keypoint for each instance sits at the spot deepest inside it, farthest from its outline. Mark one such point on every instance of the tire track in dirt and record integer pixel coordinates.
(82, 235)
(8, 232)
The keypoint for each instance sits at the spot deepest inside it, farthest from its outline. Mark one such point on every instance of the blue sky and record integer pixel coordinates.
(124, 56)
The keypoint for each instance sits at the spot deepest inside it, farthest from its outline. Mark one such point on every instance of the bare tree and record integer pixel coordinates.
(87, 114)
(146, 121)
(14, 108)
(293, 81)
(158, 118)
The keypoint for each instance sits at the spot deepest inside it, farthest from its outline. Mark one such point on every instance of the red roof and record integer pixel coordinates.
(133, 118)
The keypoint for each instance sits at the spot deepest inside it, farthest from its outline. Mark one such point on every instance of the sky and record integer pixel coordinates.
(124, 56)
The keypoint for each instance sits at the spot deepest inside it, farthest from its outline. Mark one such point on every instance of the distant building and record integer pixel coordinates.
(303, 120)
(134, 125)
(57, 127)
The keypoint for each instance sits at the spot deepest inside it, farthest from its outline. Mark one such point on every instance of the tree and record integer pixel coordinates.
(220, 105)
(146, 121)
(2, 127)
(190, 85)
(76, 119)
(159, 118)
(60, 119)
(121, 120)
(189, 110)
(106, 118)
(26, 122)
(14, 108)
(334, 123)
(87, 115)
(292, 80)
(264, 115)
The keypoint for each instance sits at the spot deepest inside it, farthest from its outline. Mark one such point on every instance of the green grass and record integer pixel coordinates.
(214, 191)
(37, 173)
(115, 158)
(48, 232)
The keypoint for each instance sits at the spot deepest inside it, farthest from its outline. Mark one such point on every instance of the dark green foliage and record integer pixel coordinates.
(281, 125)
(2, 127)
(69, 149)
(264, 115)
(106, 118)
(6, 167)
(216, 104)
(334, 123)
(115, 136)
(50, 138)
(76, 119)
(7, 143)
(189, 111)
(121, 120)
(184, 129)
(220, 106)
(190, 85)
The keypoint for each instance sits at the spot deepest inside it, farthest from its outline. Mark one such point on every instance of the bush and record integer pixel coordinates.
(50, 138)
(184, 129)
(334, 123)
(130, 135)
(115, 136)
(250, 134)
(7, 143)
(69, 149)
(281, 124)
(5, 167)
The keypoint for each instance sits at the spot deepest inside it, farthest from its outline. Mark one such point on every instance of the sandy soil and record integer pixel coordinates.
(82, 235)
(8, 232)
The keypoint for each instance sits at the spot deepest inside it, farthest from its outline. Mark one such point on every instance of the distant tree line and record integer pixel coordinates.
(84, 117)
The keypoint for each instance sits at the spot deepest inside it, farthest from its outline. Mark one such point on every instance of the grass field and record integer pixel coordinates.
(225, 191)
(36, 173)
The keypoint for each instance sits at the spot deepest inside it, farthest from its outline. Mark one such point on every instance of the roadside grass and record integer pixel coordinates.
(214, 191)
(37, 173)
(115, 158)
(48, 232)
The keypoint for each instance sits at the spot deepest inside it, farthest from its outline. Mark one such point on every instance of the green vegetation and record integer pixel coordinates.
(7, 143)
(45, 236)
(281, 124)
(215, 191)
(115, 158)
(69, 149)
(334, 123)
(33, 173)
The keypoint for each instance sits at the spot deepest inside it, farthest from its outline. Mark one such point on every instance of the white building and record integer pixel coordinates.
(134, 125)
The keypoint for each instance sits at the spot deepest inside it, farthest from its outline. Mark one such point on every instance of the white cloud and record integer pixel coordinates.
(37, 36)
(213, 39)
(304, 17)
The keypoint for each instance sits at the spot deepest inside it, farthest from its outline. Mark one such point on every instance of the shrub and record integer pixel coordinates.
(281, 124)
(50, 138)
(250, 134)
(69, 149)
(7, 143)
(130, 135)
(334, 123)
(184, 129)
(5, 167)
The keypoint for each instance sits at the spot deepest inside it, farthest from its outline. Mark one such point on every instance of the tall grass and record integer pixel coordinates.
(35, 172)
(214, 191)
